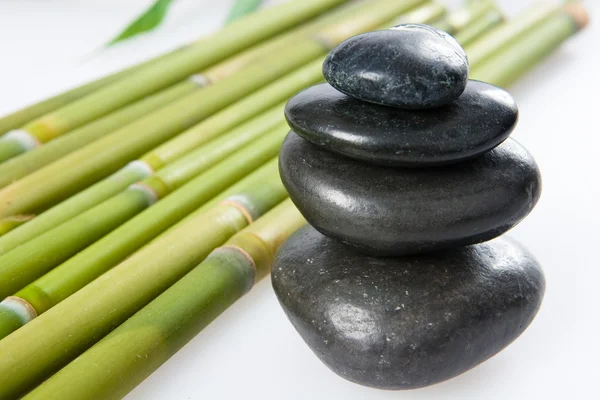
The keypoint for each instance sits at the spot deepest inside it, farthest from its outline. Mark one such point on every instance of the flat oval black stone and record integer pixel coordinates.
(482, 118)
(406, 322)
(408, 66)
(394, 211)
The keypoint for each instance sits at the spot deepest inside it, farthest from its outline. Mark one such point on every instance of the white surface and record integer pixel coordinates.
(252, 351)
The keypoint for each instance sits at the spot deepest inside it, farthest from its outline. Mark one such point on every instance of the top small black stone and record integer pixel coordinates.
(408, 66)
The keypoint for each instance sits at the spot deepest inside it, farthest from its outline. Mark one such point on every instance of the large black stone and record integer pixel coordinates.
(395, 211)
(482, 117)
(407, 322)
(408, 66)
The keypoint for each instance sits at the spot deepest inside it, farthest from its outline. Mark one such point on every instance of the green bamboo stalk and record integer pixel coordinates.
(51, 184)
(74, 274)
(112, 367)
(513, 61)
(424, 14)
(86, 316)
(167, 153)
(250, 106)
(467, 14)
(175, 175)
(33, 160)
(243, 7)
(41, 189)
(234, 37)
(21, 117)
(10, 171)
(26, 263)
(477, 29)
(506, 34)
(262, 50)
(10, 223)
(181, 171)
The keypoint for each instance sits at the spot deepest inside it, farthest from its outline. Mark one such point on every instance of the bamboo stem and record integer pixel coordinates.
(477, 29)
(35, 159)
(509, 64)
(73, 206)
(41, 189)
(466, 15)
(156, 159)
(112, 367)
(29, 113)
(234, 37)
(85, 317)
(241, 111)
(181, 171)
(424, 14)
(26, 263)
(49, 185)
(255, 190)
(214, 74)
(31, 260)
(506, 34)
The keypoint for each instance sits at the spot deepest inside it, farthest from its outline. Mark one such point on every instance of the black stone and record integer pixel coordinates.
(407, 322)
(395, 211)
(482, 117)
(409, 66)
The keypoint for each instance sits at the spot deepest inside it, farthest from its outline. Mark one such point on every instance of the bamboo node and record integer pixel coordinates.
(241, 251)
(239, 203)
(151, 195)
(20, 307)
(25, 139)
(579, 14)
(142, 167)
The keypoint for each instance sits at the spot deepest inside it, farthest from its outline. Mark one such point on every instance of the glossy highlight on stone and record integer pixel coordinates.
(408, 66)
(479, 120)
(407, 322)
(388, 211)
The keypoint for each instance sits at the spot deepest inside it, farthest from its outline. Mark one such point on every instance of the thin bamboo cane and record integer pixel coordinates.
(513, 61)
(88, 315)
(167, 153)
(74, 274)
(477, 29)
(222, 70)
(234, 37)
(21, 117)
(46, 185)
(464, 16)
(28, 262)
(425, 14)
(53, 183)
(505, 34)
(112, 368)
(33, 160)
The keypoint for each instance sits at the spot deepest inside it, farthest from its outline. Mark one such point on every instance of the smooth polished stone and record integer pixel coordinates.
(406, 322)
(408, 66)
(393, 211)
(482, 118)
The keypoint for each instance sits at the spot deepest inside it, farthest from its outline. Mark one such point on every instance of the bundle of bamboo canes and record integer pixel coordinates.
(134, 204)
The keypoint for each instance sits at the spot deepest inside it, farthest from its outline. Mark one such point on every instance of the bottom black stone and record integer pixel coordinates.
(406, 322)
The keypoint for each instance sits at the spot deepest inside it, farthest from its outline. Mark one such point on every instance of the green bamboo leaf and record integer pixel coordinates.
(243, 7)
(149, 20)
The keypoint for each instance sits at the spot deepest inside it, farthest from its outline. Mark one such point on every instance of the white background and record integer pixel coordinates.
(252, 351)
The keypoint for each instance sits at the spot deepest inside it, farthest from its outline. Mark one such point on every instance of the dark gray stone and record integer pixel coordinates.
(407, 322)
(408, 66)
(481, 118)
(395, 211)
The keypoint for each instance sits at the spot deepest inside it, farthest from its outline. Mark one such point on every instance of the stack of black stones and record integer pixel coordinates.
(405, 171)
